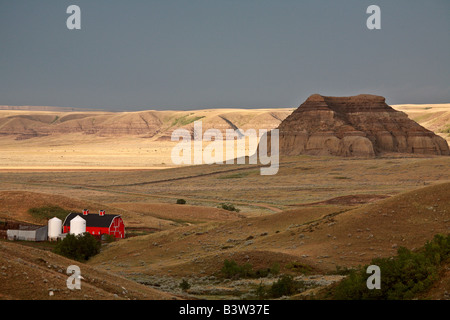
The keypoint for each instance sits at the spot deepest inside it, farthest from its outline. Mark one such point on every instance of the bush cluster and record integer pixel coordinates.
(108, 238)
(229, 207)
(80, 247)
(232, 270)
(184, 285)
(402, 276)
(285, 286)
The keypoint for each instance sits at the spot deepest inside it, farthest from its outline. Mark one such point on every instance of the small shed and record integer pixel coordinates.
(28, 233)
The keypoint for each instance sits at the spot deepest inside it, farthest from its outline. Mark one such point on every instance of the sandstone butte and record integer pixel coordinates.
(361, 126)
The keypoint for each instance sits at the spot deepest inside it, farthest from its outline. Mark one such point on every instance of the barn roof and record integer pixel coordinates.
(28, 227)
(92, 220)
(31, 227)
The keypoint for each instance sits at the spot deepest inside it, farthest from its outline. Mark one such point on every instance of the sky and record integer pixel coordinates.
(194, 54)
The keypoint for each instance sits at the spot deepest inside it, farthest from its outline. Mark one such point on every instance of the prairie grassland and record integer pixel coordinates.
(319, 212)
(434, 117)
(300, 180)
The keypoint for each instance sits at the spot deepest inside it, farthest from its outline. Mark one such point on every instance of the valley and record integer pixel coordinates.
(318, 216)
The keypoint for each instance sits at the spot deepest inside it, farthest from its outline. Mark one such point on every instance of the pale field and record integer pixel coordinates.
(419, 108)
(300, 180)
(126, 153)
(80, 151)
(73, 151)
(434, 117)
(114, 151)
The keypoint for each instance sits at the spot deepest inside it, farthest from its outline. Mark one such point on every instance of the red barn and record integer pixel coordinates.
(98, 224)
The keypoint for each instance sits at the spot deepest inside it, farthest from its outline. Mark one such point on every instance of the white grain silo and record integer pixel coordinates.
(54, 228)
(77, 225)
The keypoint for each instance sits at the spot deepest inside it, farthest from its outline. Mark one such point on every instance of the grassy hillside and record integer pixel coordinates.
(33, 274)
(434, 117)
(321, 236)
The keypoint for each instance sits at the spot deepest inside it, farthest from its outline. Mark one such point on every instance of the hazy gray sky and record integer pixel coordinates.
(188, 54)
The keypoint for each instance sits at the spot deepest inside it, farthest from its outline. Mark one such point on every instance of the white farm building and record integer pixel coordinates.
(28, 233)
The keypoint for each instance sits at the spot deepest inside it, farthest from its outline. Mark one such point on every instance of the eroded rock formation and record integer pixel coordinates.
(362, 126)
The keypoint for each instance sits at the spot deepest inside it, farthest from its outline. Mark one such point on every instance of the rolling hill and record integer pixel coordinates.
(322, 237)
(29, 273)
(65, 139)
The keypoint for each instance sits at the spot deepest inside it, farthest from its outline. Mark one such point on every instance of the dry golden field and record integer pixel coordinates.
(434, 117)
(318, 212)
(91, 140)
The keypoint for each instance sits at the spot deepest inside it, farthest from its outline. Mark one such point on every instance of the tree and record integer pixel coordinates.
(403, 276)
(80, 247)
(285, 286)
(184, 285)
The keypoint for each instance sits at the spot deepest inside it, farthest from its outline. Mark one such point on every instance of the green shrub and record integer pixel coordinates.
(275, 269)
(48, 212)
(232, 270)
(181, 201)
(285, 286)
(80, 247)
(261, 273)
(261, 291)
(402, 277)
(108, 238)
(184, 285)
(229, 207)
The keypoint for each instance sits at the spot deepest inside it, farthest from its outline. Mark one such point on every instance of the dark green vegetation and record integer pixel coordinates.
(80, 247)
(108, 238)
(232, 270)
(285, 286)
(229, 207)
(48, 212)
(184, 285)
(181, 201)
(54, 120)
(402, 277)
